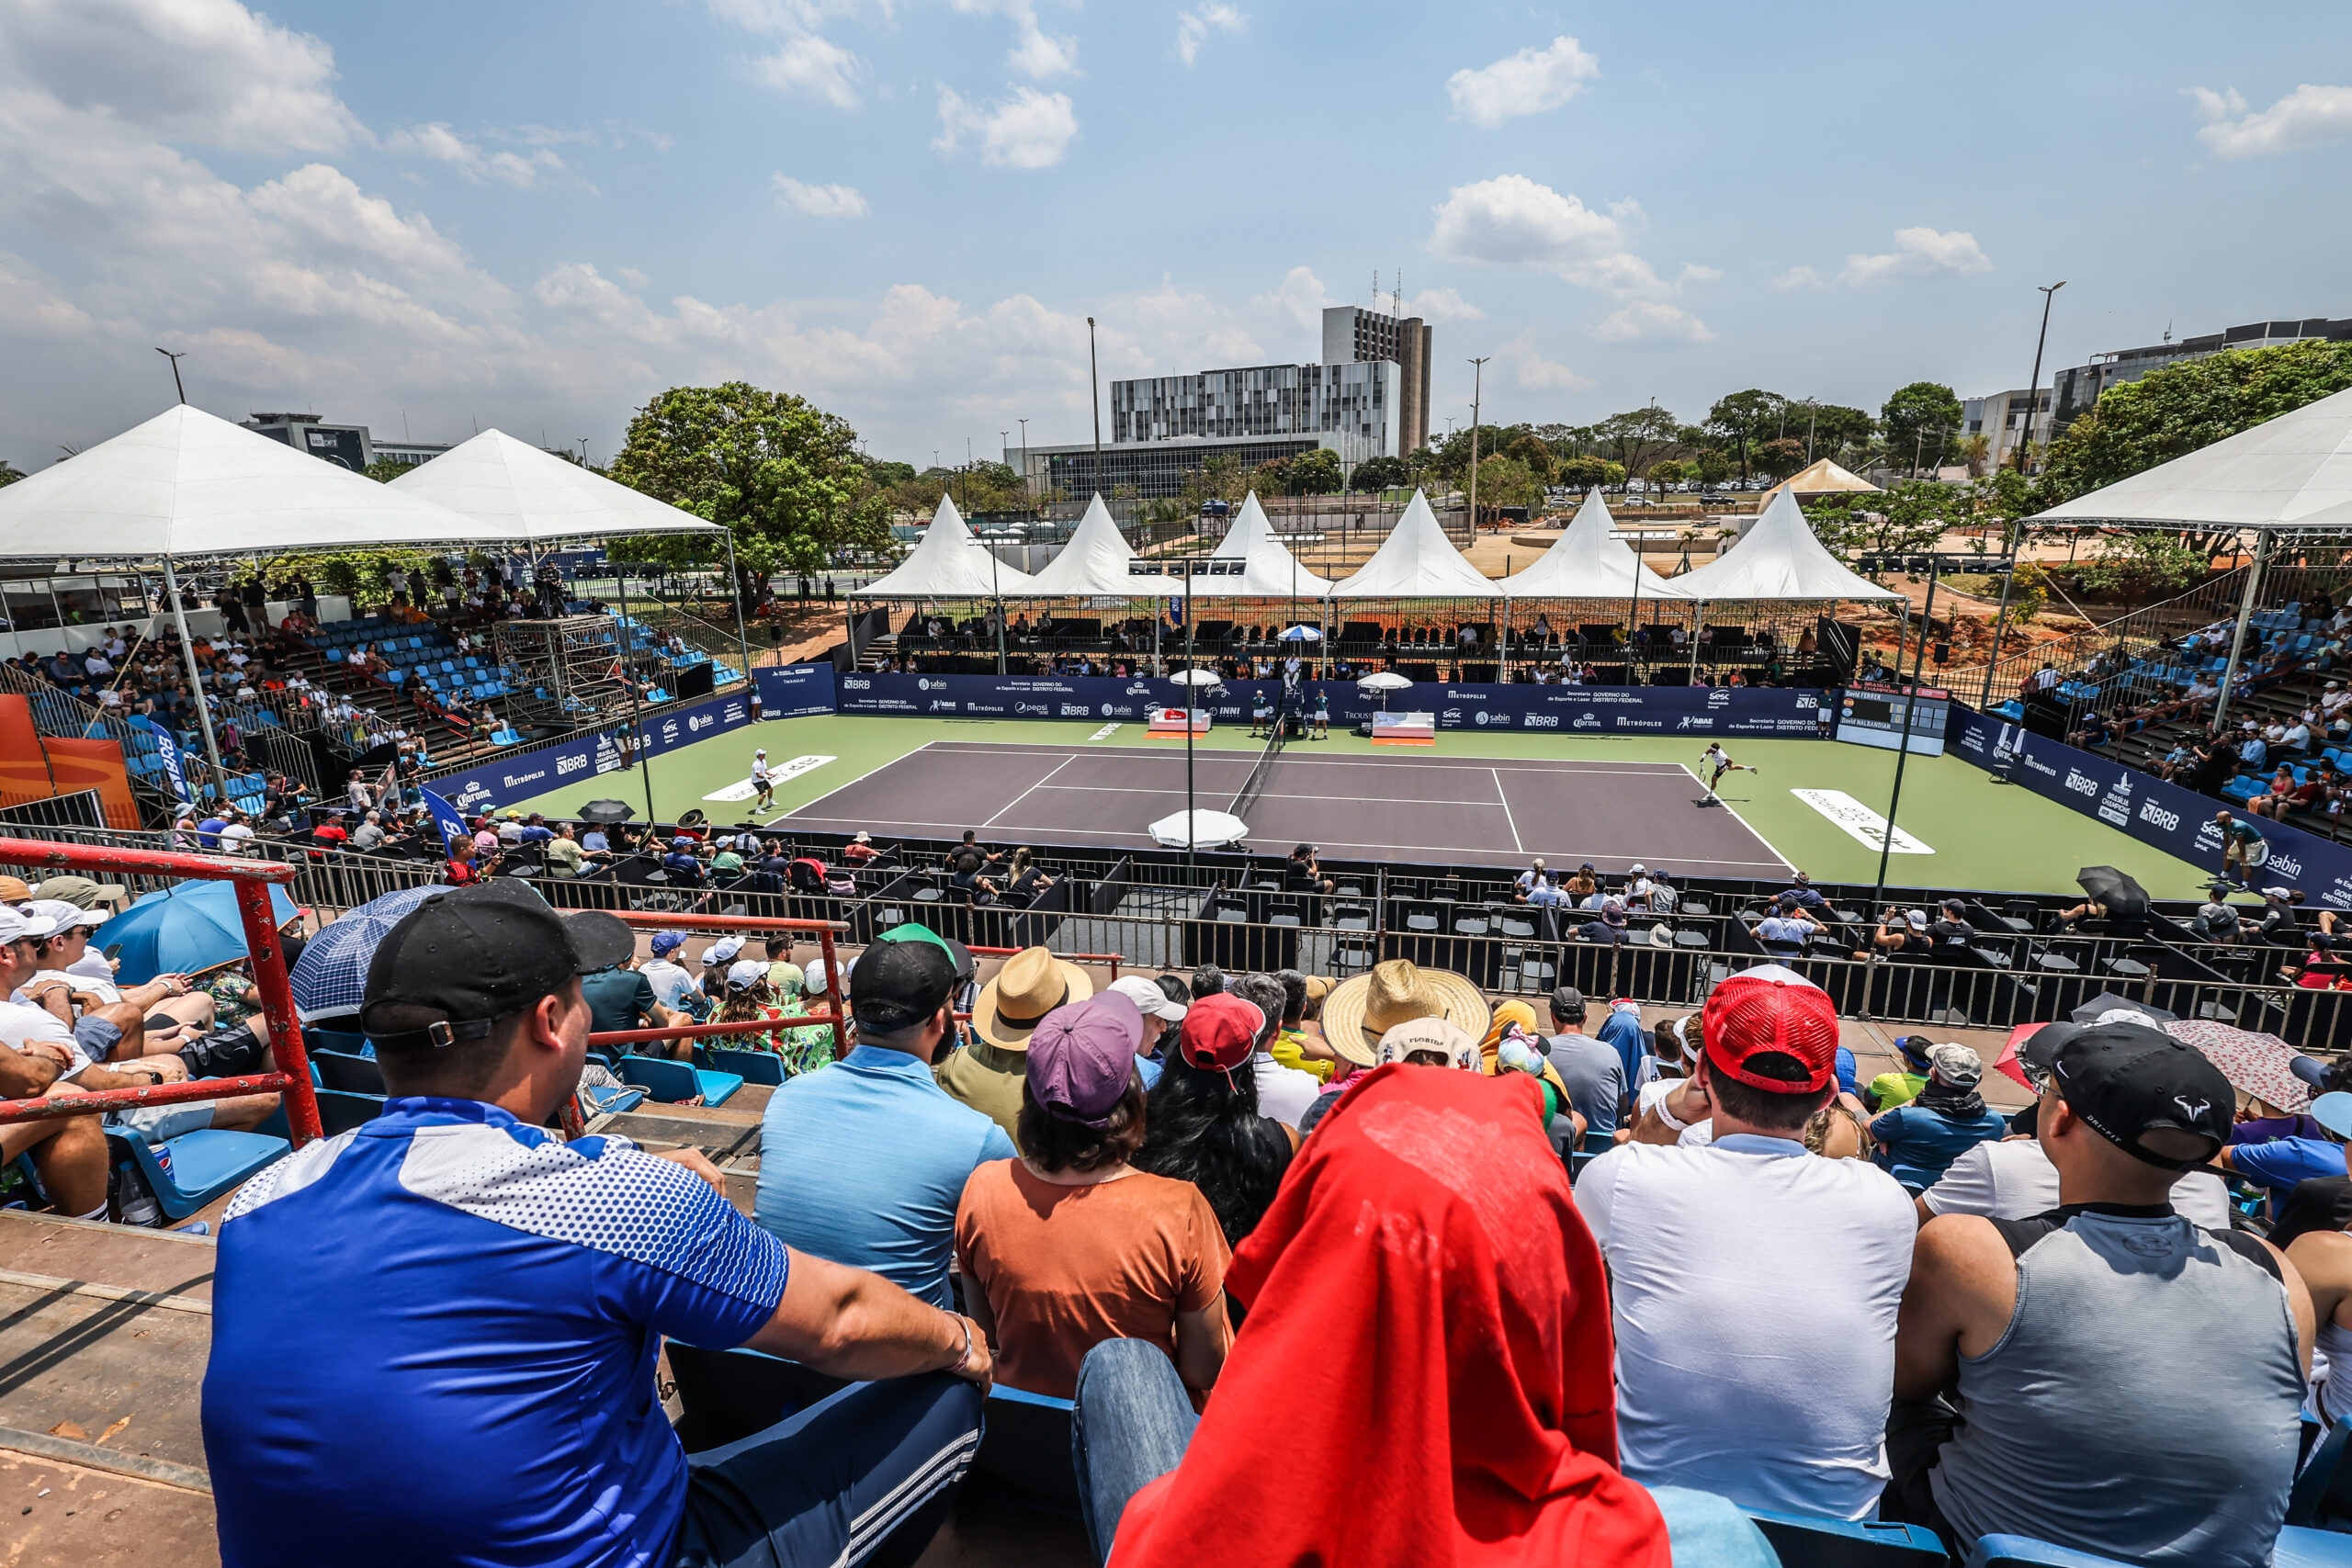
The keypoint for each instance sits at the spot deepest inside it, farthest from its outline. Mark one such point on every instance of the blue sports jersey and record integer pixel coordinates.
(433, 1340)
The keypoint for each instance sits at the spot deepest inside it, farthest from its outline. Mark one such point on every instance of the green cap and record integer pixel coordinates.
(956, 949)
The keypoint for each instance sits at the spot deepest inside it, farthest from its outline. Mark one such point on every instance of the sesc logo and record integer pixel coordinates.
(1452, 715)
(856, 683)
(1542, 721)
(1718, 696)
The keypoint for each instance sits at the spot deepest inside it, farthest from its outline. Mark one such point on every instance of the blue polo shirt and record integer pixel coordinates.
(2282, 1162)
(434, 1341)
(864, 1163)
(1921, 1143)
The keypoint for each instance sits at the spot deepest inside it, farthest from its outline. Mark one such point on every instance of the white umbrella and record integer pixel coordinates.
(1199, 829)
(1384, 680)
(1197, 678)
(1302, 634)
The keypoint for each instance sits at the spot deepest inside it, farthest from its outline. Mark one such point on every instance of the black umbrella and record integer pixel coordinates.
(2106, 1001)
(2124, 899)
(607, 811)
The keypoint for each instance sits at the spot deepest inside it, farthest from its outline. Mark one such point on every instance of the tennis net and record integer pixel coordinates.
(1255, 784)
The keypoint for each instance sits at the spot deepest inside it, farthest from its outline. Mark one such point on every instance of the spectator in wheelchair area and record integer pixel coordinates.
(2039, 1361)
(397, 1302)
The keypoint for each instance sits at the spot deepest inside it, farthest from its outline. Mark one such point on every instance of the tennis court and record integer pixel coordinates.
(1394, 805)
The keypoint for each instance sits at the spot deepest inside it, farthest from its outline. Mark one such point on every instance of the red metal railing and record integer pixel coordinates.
(251, 879)
(824, 929)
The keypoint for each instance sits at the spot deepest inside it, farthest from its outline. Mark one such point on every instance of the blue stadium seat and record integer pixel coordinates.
(670, 1082)
(340, 1112)
(751, 1067)
(2000, 1550)
(608, 1099)
(2323, 1493)
(2300, 1548)
(1804, 1541)
(197, 1167)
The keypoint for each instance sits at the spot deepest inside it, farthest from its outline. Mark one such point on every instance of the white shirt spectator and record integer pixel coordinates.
(2298, 736)
(1754, 1289)
(2011, 1179)
(670, 981)
(22, 1024)
(116, 648)
(233, 837)
(1283, 1093)
(95, 663)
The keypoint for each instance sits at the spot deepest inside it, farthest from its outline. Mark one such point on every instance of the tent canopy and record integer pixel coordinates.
(1417, 562)
(1270, 571)
(948, 564)
(1094, 564)
(191, 484)
(1780, 559)
(1824, 478)
(2295, 469)
(1588, 562)
(514, 490)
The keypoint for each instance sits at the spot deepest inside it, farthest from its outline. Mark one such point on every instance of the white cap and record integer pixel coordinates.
(743, 975)
(1148, 997)
(723, 951)
(812, 978)
(15, 926)
(64, 914)
(760, 751)
(1638, 870)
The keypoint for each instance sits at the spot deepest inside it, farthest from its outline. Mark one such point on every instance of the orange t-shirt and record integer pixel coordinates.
(1067, 1268)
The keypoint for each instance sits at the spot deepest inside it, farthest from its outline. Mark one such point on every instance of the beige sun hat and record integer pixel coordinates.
(1359, 1011)
(1032, 983)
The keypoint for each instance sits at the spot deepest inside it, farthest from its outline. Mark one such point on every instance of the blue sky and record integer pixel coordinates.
(537, 216)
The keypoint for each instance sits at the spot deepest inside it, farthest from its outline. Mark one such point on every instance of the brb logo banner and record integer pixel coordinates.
(1589, 710)
(508, 781)
(2179, 821)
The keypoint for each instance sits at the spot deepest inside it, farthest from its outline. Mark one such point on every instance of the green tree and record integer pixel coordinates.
(1581, 474)
(1921, 421)
(384, 470)
(1742, 421)
(1503, 480)
(1781, 457)
(1639, 437)
(1908, 518)
(1667, 471)
(1714, 466)
(10, 472)
(1317, 473)
(1534, 452)
(784, 475)
(2141, 563)
(1378, 474)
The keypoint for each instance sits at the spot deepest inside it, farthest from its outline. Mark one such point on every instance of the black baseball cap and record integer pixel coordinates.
(465, 958)
(2143, 1091)
(894, 985)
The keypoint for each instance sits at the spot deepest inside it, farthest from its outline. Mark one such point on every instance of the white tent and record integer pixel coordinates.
(1824, 478)
(1093, 564)
(1781, 559)
(1588, 562)
(1417, 562)
(187, 483)
(2296, 468)
(514, 491)
(1270, 571)
(949, 563)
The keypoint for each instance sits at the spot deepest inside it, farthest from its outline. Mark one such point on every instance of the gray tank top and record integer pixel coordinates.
(2144, 1401)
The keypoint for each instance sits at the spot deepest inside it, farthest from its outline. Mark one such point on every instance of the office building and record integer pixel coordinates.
(346, 446)
(1351, 335)
(1355, 404)
(1997, 416)
(2074, 391)
(1149, 469)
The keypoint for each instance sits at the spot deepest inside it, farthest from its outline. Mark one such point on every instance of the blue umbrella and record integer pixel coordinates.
(1302, 634)
(186, 927)
(331, 977)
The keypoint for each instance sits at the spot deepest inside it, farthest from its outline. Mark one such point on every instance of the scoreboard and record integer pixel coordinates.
(1873, 715)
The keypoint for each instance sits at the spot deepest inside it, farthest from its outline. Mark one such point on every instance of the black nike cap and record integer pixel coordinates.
(466, 958)
(2157, 1100)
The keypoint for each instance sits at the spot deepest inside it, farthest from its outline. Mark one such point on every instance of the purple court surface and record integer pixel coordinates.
(1408, 807)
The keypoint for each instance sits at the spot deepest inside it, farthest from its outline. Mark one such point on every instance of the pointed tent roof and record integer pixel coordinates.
(947, 564)
(1269, 569)
(191, 484)
(514, 490)
(1093, 564)
(1824, 478)
(1417, 562)
(1588, 562)
(1780, 559)
(2296, 468)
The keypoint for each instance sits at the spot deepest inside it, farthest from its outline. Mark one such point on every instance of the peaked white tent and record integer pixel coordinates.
(1781, 559)
(1094, 564)
(514, 491)
(1589, 561)
(1417, 562)
(1824, 478)
(947, 563)
(1269, 569)
(189, 484)
(2294, 470)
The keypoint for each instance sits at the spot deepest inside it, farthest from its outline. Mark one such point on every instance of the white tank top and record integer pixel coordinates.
(2334, 1393)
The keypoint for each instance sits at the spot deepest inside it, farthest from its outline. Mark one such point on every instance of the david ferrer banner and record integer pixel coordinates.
(2174, 819)
(1581, 710)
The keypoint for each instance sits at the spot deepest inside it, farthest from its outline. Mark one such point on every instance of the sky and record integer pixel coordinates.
(431, 218)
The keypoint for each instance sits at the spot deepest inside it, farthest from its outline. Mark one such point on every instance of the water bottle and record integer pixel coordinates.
(134, 1203)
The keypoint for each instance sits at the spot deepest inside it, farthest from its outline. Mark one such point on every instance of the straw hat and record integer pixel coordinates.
(1359, 1011)
(1032, 983)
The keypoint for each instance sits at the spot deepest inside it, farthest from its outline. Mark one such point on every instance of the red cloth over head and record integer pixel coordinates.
(1425, 1374)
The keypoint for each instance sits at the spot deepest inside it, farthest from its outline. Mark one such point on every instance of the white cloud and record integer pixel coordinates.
(2308, 117)
(817, 201)
(1534, 372)
(522, 170)
(1043, 55)
(1192, 27)
(1920, 253)
(815, 65)
(1800, 277)
(1512, 220)
(1443, 305)
(1530, 81)
(1652, 320)
(1028, 131)
(1693, 273)
(1299, 300)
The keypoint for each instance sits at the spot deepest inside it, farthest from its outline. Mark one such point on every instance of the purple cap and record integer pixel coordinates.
(1082, 1057)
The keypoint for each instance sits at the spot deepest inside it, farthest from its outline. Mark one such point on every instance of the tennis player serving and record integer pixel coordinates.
(1717, 762)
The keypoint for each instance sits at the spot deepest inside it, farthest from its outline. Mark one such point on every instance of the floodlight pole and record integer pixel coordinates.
(196, 677)
(1633, 615)
(1903, 748)
(2237, 634)
(1094, 400)
(1478, 383)
(636, 709)
(2025, 433)
(1191, 823)
(2000, 621)
(175, 359)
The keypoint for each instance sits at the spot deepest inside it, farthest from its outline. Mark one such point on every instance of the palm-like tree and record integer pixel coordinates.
(10, 472)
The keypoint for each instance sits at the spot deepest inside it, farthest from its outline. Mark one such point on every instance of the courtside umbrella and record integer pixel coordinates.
(1383, 681)
(2112, 888)
(1199, 830)
(607, 811)
(1302, 634)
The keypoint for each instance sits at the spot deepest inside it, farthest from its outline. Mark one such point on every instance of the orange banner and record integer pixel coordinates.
(24, 776)
(78, 765)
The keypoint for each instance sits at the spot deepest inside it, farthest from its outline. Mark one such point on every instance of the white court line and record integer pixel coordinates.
(820, 799)
(1736, 817)
(1502, 797)
(1442, 764)
(1271, 794)
(1033, 789)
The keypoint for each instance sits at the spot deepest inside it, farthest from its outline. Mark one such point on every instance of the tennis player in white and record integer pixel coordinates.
(1718, 763)
(762, 780)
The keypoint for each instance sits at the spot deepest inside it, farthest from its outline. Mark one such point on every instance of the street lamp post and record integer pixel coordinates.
(996, 588)
(1478, 381)
(2033, 388)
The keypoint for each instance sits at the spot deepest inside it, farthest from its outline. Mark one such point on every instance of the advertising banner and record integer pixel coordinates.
(1587, 710)
(2174, 819)
(795, 691)
(505, 780)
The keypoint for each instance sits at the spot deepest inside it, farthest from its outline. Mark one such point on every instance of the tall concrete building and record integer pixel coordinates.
(1351, 335)
(2075, 389)
(1997, 416)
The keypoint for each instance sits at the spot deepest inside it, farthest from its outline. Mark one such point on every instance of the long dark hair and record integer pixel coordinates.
(1204, 1127)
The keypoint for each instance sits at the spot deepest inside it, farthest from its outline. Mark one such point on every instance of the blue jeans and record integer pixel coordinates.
(1134, 1422)
(830, 1483)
